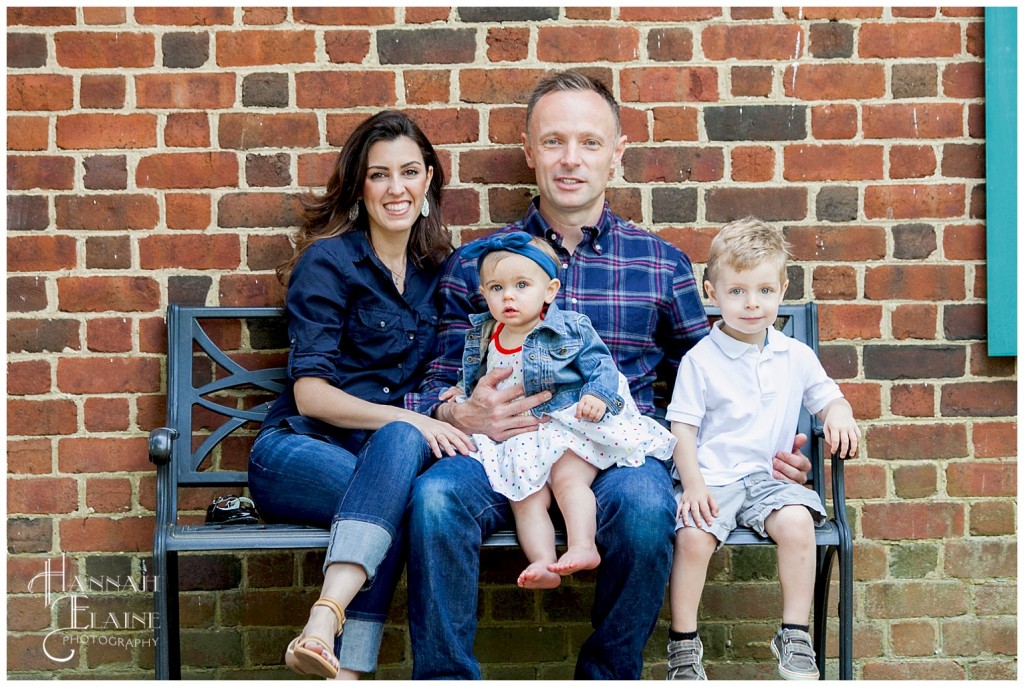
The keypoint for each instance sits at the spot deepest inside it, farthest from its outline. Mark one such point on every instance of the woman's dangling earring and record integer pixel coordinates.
(425, 208)
(353, 212)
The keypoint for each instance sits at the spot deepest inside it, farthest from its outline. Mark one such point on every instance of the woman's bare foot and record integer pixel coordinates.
(576, 559)
(538, 576)
(322, 623)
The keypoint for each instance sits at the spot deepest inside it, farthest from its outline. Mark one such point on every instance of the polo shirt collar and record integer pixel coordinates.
(777, 341)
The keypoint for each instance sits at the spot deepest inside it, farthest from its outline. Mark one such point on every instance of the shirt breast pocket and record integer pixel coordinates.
(375, 332)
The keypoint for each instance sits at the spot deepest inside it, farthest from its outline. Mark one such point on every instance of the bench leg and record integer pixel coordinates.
(846, 613)
(167, 634)
(826, 556)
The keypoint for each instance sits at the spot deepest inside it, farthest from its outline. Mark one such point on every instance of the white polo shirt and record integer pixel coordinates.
(745, 401)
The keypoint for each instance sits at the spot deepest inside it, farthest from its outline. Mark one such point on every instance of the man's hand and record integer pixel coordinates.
(498, 414)
(792, 467)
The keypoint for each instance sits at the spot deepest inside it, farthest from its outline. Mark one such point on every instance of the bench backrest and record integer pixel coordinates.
(226, 366)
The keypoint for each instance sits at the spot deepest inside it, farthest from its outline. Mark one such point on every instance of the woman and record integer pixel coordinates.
(337, 448)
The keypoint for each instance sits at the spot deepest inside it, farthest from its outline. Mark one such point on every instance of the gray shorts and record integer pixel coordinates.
(749, 502)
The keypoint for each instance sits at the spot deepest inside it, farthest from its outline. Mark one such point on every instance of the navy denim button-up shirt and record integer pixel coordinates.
(349, 325)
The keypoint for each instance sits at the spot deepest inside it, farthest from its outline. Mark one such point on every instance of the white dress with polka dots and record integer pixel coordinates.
(521, 465)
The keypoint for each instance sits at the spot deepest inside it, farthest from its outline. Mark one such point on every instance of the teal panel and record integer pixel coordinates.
(1001, 177)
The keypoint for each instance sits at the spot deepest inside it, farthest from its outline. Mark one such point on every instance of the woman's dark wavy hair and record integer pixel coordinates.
(325, 216)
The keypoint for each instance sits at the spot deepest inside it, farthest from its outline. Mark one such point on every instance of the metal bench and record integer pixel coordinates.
(221, 389)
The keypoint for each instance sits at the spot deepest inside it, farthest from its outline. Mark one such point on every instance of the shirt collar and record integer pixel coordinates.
(777, 341)
(535, 224)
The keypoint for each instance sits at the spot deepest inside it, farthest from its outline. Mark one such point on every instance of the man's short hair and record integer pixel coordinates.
(746, 243)
(570, 81)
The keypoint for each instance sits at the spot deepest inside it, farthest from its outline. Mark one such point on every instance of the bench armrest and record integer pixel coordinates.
(160, 442)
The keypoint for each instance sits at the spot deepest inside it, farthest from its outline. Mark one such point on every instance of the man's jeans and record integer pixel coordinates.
(301, 479)
(454, 508)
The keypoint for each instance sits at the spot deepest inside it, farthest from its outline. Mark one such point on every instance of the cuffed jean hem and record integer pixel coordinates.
(360, 643)
(359, 542)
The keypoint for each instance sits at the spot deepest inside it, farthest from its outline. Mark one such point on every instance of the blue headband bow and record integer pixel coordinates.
(517, 242)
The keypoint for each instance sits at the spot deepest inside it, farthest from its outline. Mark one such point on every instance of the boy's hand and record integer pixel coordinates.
(699, 502)
(841, 431)
(590, 408)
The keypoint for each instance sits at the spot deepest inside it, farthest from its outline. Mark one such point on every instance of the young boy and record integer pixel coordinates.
(736, 402)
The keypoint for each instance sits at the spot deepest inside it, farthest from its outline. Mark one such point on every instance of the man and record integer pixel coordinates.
(641, 295)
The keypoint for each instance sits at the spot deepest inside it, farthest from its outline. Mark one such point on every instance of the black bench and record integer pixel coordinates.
(225, 366)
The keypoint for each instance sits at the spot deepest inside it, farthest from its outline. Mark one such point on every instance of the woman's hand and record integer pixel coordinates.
(590, 408)
(444, 440)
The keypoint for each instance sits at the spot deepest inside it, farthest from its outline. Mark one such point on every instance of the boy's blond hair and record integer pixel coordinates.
(746, 243)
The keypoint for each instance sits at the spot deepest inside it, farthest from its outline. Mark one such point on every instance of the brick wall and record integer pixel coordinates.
(155, 155)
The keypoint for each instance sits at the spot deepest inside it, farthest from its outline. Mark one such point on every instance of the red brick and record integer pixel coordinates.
(834, 121)
(914, 201)
(981, 558)
(26, 294)
(108, 495)
(188, 210)
(995, 439)
(104, 49)
(264, 253)
(917, 441)
(832, 162)
(41, 253)
(113, 212)
(981, 479)
(344, 16)
(909, 39)
(41, 16)
(450, 125)
(88, 455)
(109, 334)
(28, 377)
(184, 16)
(424, 87)
(349, 47)
(752, 163)
(980, 399)
(903, 521)
(963, 81)
(506, 125)
(837, 243)
(41, 418)
(723, 42)
(104, 15)
(915, 481)
(316, 168)
(911, 162)
(976, 38)
(984, 366)
(831, 13)
(913, 120)
(913, 12)
(131, 533)
(494, 166)
(102, 91)
(864, 481)
(426, 15)
(190, 251)
(42, 495)
(264, 47)
(673, 164)
(39, 171)
(506, 44)
(499, 87)
(187, 130)
(106, 294)
(675, 124)
(322, 89)
(462, 207)
(914, 321)
(865, 398)
(669, 84)
(834, 81)
(771, 204)
(834, 282)
(24, 614)
(37, 92)
(668, 13)
(241, 290)
(914, 638)
(100, 131)
(187, 170)
(960, 160)
(247, 131)
(588, 44)
(196, 91)
(992, 518)
(264, 16)
(752, 81)
(28, 133)
(248, 209)
(849, 321)
(90, 375)
(106, 414)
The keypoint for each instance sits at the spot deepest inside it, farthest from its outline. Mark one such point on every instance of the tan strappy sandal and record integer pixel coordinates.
(309, 662)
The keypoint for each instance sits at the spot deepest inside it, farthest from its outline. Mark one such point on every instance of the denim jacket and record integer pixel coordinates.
(563, 353)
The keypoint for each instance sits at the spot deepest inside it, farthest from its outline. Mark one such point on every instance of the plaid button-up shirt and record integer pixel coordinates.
(638, 290)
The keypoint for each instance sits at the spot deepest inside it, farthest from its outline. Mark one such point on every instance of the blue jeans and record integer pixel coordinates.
(453, 509)
(301, 479)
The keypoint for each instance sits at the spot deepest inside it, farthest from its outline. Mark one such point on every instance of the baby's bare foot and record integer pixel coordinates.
(576, 559)
(537, 576)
